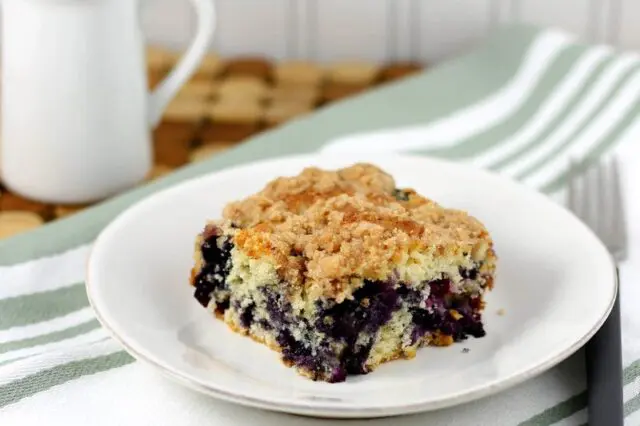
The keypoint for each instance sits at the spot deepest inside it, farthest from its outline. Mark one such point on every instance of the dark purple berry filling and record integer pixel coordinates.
(350, 327)
(246, 316)
(438, 315)
(278, 308)
(371, 308)
(211, 279)
(471, 274)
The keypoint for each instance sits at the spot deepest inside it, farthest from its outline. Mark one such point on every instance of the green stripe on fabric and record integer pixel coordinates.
(592, 156)
(44, 306)
(569, 108)
(631, 372)
(9, 361)
(500, 133)
(44, 380)
(455, 84)
(619, 86)
(558, 412)
(50, 337)
(21, 358)
(632, 405)
(628, 375)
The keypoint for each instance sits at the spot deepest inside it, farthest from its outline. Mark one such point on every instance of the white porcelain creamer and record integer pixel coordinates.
(76, 113)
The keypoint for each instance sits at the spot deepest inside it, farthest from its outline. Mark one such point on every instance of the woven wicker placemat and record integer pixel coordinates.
(227, 101)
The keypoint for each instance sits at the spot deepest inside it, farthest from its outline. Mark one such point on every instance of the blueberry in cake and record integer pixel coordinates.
(341, 271)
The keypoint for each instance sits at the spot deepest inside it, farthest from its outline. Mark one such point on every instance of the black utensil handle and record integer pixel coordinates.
(604, 371)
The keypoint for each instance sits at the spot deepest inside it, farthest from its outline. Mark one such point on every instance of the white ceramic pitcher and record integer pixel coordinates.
(76, 112)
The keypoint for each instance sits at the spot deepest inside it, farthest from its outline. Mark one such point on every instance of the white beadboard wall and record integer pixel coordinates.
(376, 30)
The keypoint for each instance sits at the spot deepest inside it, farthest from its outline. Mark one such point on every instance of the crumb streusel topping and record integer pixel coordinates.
(326, 231)
(286, 195)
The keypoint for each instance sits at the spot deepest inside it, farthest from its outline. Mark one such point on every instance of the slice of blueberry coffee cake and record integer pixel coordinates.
(341, 271)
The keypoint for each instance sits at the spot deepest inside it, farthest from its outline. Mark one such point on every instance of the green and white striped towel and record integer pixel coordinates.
(521, 104)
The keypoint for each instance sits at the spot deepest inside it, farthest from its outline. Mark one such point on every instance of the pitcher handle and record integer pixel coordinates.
(167, 88)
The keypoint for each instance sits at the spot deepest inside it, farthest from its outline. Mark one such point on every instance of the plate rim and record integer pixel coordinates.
(331, 411)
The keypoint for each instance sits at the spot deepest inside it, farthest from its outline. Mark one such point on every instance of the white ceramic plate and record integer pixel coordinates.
(556, 284)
